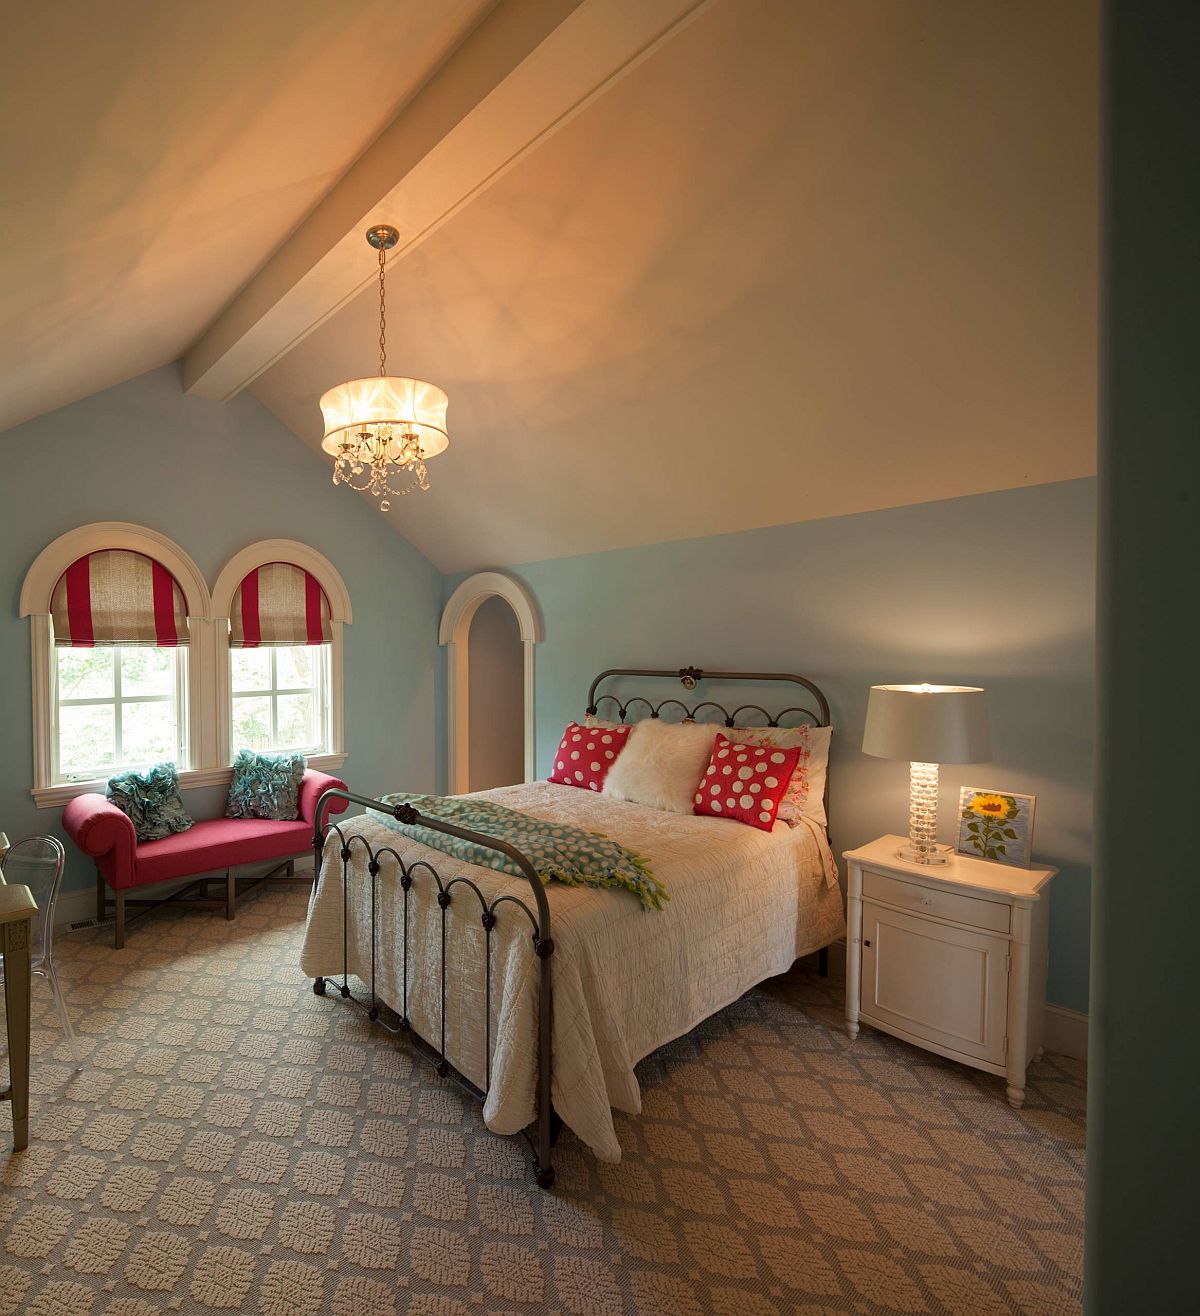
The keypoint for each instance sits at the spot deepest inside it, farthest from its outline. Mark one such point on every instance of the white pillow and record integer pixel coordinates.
(661, 764)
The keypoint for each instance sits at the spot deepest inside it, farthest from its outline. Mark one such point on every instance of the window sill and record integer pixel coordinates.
(49, 797)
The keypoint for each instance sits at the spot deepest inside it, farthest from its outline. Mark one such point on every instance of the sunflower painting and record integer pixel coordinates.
(995, 825)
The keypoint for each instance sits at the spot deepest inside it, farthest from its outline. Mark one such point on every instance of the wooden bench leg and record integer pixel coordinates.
(230, 894)
(101, 905)
(119, 930)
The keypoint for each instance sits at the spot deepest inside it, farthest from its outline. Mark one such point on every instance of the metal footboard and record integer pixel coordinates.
(546, 1125)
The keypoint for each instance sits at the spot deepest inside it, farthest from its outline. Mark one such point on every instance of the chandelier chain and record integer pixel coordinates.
(382, 317)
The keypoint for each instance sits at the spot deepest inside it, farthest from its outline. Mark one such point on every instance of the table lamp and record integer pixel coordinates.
(3, 846)
(927, 725)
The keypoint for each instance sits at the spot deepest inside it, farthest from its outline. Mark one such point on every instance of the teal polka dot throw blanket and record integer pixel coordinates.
(558, 853)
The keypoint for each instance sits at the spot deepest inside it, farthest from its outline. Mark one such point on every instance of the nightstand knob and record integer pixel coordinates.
(866, 943)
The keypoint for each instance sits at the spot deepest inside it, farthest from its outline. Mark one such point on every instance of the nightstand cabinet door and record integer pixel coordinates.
(934, 983)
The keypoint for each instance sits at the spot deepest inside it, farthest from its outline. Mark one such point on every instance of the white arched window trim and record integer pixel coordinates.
(36, 592)
(340, 615)
(457, 615)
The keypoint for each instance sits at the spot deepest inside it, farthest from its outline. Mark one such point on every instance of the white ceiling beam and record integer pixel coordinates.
(525, 70)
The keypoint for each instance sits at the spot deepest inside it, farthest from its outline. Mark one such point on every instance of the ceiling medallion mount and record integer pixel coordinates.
(383, 237)
(381, 430)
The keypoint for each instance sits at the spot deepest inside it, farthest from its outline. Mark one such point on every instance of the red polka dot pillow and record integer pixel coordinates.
(585, 754)
(805, 796)
(745, 782)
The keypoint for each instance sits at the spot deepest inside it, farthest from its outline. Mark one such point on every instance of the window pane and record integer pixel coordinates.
(295, 666)
(147, 732)
(297, 721)
(251, 723)
(86, 737)
(85, 673)
(147, 672)
(250, 669)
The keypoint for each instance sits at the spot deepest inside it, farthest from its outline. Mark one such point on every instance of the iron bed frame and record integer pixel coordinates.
(547, 1124)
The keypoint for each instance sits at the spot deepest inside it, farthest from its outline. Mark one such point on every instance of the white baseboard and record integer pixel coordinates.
(80, 906)
(74, 907)
(1066, 1032)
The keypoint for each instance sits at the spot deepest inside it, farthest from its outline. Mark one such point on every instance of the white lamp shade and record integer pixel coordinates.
(408, 404)
(927, 724)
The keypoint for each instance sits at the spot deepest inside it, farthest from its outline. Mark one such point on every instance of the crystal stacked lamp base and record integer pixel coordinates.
(922, 847)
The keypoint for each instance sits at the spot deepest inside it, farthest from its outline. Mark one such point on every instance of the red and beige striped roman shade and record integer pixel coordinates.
(118, 597)
(278, 604)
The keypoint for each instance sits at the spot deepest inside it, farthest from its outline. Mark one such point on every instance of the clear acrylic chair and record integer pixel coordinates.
(37, 862)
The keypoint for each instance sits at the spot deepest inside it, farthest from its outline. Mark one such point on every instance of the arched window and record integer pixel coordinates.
(133, 659)
(116, 611)
(279, 609)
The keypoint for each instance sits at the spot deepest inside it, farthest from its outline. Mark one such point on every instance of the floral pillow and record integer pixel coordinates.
(745, 782)
(151, 801)
(805, 796)
(266, 786)
(585, 754)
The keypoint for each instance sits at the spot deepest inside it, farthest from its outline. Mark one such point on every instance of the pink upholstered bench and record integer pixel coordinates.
(101, 830)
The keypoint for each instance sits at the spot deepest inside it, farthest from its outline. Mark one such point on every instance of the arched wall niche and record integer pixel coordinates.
(455, 631)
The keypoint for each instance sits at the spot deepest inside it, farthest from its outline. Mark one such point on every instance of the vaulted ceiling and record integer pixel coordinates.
(684, 267)
(153, 155)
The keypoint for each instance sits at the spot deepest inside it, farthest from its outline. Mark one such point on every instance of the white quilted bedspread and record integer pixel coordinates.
(744, 905)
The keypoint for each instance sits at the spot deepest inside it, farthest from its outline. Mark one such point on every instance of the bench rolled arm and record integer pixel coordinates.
(98, 827)
(314, 785)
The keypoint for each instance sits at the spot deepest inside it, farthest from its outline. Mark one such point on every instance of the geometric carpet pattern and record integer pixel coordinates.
(236, 1143)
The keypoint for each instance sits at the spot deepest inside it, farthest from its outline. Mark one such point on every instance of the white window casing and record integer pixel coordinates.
(340, 615)
(206, 740)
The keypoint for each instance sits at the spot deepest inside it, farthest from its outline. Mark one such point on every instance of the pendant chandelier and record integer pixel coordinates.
(381, 431)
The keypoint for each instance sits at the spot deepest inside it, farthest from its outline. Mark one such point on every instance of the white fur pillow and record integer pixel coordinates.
(661, 764)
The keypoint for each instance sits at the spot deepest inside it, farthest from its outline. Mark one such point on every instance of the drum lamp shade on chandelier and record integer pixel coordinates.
(926, 725)
(382, 429)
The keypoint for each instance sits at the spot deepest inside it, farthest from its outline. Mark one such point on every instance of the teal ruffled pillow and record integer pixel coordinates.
(266, 786)
(151, 801)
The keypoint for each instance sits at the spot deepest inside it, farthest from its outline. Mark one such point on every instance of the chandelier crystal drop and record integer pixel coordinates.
(381, 431)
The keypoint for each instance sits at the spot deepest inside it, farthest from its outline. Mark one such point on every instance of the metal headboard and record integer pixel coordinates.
(689, 677)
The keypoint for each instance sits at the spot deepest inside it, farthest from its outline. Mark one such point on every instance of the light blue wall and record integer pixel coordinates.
(994, 590)
(216, 477)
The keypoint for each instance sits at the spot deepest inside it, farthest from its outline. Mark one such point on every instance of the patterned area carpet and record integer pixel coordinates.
(239, 1144)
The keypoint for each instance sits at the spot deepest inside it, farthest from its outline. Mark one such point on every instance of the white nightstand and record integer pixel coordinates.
(951, 958)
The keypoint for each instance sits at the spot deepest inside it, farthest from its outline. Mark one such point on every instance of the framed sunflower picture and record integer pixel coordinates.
(996, 825)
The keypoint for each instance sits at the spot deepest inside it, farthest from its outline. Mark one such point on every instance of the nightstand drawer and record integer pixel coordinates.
(989, 914)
